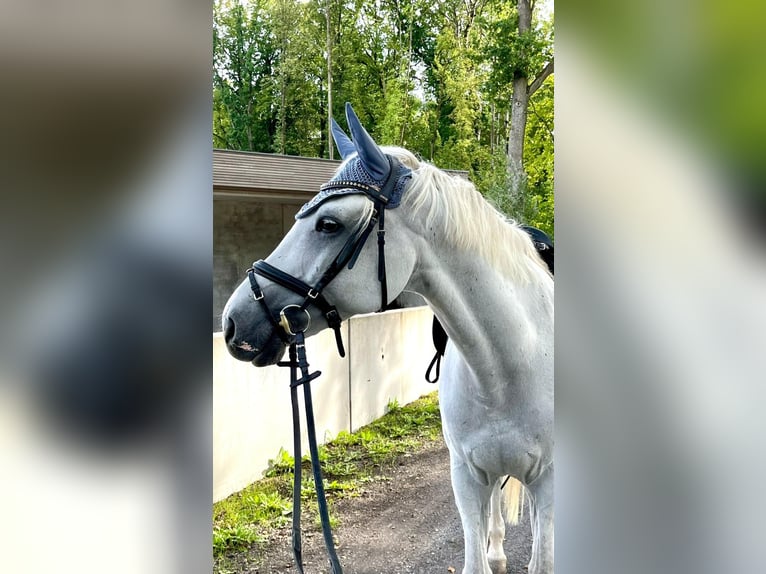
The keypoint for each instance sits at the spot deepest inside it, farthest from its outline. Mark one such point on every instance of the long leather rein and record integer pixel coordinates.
(290, 327)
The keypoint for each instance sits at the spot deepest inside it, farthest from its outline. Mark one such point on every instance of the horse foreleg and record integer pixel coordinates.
(541, 515)
(496, 554)
(473, 503)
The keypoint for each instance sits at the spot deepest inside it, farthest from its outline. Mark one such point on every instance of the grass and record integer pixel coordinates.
(244, 521)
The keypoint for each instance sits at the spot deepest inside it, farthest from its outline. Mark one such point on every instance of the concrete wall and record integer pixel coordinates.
(386, 358)
(243, 231)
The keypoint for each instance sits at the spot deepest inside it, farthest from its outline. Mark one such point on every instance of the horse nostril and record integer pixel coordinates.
(229, 330)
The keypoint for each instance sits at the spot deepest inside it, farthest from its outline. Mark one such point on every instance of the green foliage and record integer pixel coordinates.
(512, 54)
(538, 157)
(242, 519)
(434, 77)
(282, 464)
(244, 56)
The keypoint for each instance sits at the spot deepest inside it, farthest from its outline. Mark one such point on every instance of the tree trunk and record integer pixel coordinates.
(282, 98)
(519, 103)
(506, 129)
(330, 147)
(249, 126)
(324, 131)
(283, 25)
(492, 129)
(282, 118)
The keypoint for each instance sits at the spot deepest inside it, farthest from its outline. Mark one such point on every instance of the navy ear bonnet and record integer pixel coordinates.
(369, 172)
(354, 171)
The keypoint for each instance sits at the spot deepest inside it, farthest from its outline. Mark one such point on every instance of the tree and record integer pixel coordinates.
(466, 84)
(538, 157)
(519, 53)
(331, 148)
(522, 90)
(299, 64)
(529, 50)
(244, 56)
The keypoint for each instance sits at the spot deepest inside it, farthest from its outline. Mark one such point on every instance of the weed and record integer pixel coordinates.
(237, 537)
(392, 406)
(282, 464)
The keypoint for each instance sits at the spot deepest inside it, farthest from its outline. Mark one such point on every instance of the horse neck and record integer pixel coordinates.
(500, 325)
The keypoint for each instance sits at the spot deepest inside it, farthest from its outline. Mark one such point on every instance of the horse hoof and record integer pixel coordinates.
(498, 566)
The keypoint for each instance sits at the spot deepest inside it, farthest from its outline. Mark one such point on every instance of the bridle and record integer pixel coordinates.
(346, 257)
(293, 322)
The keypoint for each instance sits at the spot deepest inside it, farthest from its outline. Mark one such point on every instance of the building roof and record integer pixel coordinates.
(269, 176)
(265, 176)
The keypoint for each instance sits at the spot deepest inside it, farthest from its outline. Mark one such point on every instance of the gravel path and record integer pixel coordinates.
(407, 524)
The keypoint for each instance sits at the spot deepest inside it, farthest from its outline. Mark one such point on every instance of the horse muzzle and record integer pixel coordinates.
(256, 347)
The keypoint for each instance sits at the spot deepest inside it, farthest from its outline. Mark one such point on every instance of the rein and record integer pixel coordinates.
(291, 326)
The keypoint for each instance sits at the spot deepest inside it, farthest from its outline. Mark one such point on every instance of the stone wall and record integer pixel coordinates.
(243, 232)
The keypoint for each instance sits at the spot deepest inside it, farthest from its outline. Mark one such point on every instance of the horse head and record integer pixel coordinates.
(325, 269)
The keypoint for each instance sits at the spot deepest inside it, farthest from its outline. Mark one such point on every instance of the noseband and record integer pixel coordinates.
(292, 324)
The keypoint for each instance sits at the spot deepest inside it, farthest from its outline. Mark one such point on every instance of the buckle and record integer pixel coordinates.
(256, 298)
(312, 294)
(333, 318)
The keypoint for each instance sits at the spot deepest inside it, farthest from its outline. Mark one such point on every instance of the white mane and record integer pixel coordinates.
(466, 220)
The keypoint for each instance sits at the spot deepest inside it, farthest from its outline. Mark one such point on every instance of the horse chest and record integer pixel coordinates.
(493, 435)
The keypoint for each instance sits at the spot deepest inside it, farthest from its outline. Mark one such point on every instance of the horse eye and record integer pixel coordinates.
(327, 225)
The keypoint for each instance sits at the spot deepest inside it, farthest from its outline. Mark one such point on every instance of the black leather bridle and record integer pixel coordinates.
(347, 256)
(292, 324)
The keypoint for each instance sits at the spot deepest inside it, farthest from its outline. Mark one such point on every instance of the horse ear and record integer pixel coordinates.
(344, 143)
(373, 158)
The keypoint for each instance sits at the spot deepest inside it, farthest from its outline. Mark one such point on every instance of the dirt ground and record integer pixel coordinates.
(407, 524)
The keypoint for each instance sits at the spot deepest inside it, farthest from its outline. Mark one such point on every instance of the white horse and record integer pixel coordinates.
(492, 293)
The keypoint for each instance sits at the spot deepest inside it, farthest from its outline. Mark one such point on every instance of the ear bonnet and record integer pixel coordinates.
(367, 170)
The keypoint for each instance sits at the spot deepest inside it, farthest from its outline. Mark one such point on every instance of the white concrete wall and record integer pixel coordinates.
(386, 358)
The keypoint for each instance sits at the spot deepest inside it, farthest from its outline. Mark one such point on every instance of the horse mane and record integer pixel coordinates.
(466, 220)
